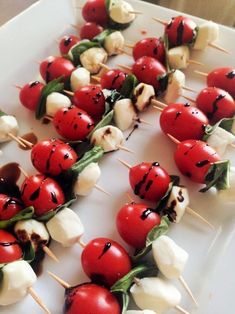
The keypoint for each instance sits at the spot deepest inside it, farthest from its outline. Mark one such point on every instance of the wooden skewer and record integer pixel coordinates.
(201, 73)
(135, 12)
(38, 300)
(74, 26)
(125, 163)
(143, 121)
(191, 61)
(190, 89)
(181, 310)
(189, 98)
(25, 141)
(129, 46)
(50, 253)
(59, 280)
(23, 171)
(81, 243)
(96, 78)
(131, 200)
(125, 52)
(125, 67)
(159, 21)
(104, 66)
(158, 108)
(158, 103)
(18, 86)
(15, 138)
(185, 285)
(193, 213)
(99, 188)
(125, 149)
(68, 92)
(215, 46)
(173, 139)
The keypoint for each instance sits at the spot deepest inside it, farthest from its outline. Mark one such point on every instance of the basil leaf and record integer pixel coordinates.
(225, 123)
(80, 48)
(24, 214)
(166, 46)
(100, 38)
(128, 86)
(217, 176)
(116, 25)
(123, 299)
(106, 120)
(163, 82)
(111, 99)
(195, 33)
(2, 113)
(29, 253)
(155, 233)
(53, 86)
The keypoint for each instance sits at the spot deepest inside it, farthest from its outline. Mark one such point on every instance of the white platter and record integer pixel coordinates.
(210, 272)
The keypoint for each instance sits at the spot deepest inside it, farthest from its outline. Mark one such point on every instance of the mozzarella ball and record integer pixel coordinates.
(178, 57)
(108, 137)
(18, 277)
(119, 12)
(87, 179)
(155, 294)
(208, 32)
(143, 94)
(55, 101)
(177, 203)
(8, 124)
(175, 86)
(140, 312)
(228, 195)
(91, 59)
(65, 227)
(113, 43)
(220, 139)
(79, 78)
(124, 113)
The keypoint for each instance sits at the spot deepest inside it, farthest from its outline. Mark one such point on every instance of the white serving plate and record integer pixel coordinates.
(210, 272)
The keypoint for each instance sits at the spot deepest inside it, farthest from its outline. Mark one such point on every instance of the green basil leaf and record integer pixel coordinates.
(225, 123)
(107, 5)
(29, 253)
(2, 113)
(217, 176)
(128, 86)
(106, 120)
(111, 99)
(123, 299)
(100, 38)
(24, 214)
(115, 25)
(195, 32)
(166, 46)
(80, 48)
(53, 86)
(163, 82)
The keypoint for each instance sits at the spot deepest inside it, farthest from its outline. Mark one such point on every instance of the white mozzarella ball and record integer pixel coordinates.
(18, 277)
(177, 202)
(178, 57)
(79, 78)
(8, 124)
(155, 294)
(174, 90)
(140, 312)
(143, 94)
(108, 137)
(119, 11)
(208, 32)
(55, 101)
(220, 139)
(87, 179)
(65, 227)
(124, 113)
(228, 195)
(113, 43)
(91, 59)
(169, 257)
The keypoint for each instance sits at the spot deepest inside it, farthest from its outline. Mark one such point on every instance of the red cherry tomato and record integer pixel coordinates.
(30, 94)
(134, 221)
(105, 261)
(10, 250)
(95, 11)
(91, 99)
(183, 121)
(149, 181)
(73, 123)
(67, 42)
(90, 298)
(89, 30)
(52, 156)
(9, 206)
(216, 104)
(194, 158)
(223, 78)
(43, 193)
(113, 79)
(148, 70)
(180, 31)
(152, 47)
(55, 67)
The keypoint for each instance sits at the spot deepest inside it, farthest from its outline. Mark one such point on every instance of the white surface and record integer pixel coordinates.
(210, 270)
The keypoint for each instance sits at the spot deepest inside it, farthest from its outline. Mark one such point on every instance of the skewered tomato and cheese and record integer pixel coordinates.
(120, 13)
(9, 206)
(30, 94)
(114, 43)
(142, 96)
(79, 78)
(175, 84)
(67, 42)
(10, 249)
(207, 33)
(113, 79)
(95, 11)
(178, 57)
(8, 126)
(124, 113)
(89, 30)
(151, 47)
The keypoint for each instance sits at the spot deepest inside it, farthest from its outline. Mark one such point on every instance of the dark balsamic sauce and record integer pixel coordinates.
(146, 213)
(67, 41)
(11, 201)
(187, 152)
(231, 75)
(54, 198)
(210, 115)
(180, 197)
(202, 163)
(170, 211)
(143, 181)
(178, 113)
(34, 84)
(107, 246)
(180, 33)
(135, 127)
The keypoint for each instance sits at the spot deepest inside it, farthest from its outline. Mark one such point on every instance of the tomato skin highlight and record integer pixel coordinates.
(90, 298)
(147, 70)
(89, 30)
(183, 121)
(180, 31)
(30, 95)
(113, 79)
(216, 104)
(41, 192)
(91, 99)
(52, 156)
(152, 47)
(223, 78)
(105, 261)
(67, 42)
(194, 158)
(149, 181)
(95, 11)
(9, 206)
(10, 250)
(134, 221)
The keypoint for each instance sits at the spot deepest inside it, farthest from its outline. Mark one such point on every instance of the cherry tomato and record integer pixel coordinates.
(43, 193)
(152, 47)
(90, 298)
(91, 99)
(216, 104)
(9, 248)
(73, 123)
(134, 221)
(113, 79)
(95, 11)
(180, 31)
(149, 181)
(223, 78)
(148, 70)
(67, 42)
(55, 67)
(105, 261)
(89, 30)
(52, 156)
(9, 206)
(30, 94)
(194, 158)
(183, 121)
